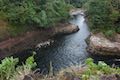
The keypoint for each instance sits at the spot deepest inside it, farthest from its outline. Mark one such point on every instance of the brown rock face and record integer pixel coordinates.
(68, 29)
(100, 45)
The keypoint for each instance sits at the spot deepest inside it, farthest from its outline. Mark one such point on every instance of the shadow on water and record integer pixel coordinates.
(67, 50)
(110, 60)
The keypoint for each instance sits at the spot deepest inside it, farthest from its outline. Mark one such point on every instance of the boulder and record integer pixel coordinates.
(67, 76)
(98, 44)
(66, 29)
(77, 11)
(44, 44)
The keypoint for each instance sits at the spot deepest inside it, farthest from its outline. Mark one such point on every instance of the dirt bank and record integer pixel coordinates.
(31, 38)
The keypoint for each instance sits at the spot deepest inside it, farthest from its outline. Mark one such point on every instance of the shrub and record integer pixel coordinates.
(109, 33)
(118, 30)
(95, 71)
(8, 69)
(77, 3)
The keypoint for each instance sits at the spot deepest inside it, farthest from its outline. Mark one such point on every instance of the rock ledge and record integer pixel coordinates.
(98, 44)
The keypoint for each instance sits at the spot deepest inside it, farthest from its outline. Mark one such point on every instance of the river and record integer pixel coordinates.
(67, 50)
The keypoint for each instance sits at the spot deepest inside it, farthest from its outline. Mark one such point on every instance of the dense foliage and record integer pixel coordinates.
(9, 71)
(77, 3)
(43, 13)
(104, 15)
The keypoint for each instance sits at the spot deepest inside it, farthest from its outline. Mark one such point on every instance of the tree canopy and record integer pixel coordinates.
(104, 15)
(43, 13)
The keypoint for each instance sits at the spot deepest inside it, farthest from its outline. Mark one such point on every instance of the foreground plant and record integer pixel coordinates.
(92, 71)
(7, 68)
(9, 71)
(97, 71)
(100, 71)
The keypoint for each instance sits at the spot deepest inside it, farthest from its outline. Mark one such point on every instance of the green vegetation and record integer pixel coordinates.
(19, 15)
(92, 71)
(95, 71)
(9, 71)
(43, 13)
(77, 3)
(104, 15)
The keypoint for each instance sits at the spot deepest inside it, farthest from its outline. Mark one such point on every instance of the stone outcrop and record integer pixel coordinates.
(45, 44)
(68, 29)
(98, 44)
(74, 12)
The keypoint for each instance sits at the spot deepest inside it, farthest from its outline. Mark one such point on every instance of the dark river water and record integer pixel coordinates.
(67, 50)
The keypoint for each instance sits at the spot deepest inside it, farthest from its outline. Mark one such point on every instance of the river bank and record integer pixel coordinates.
(30, 39)
(99, 44)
